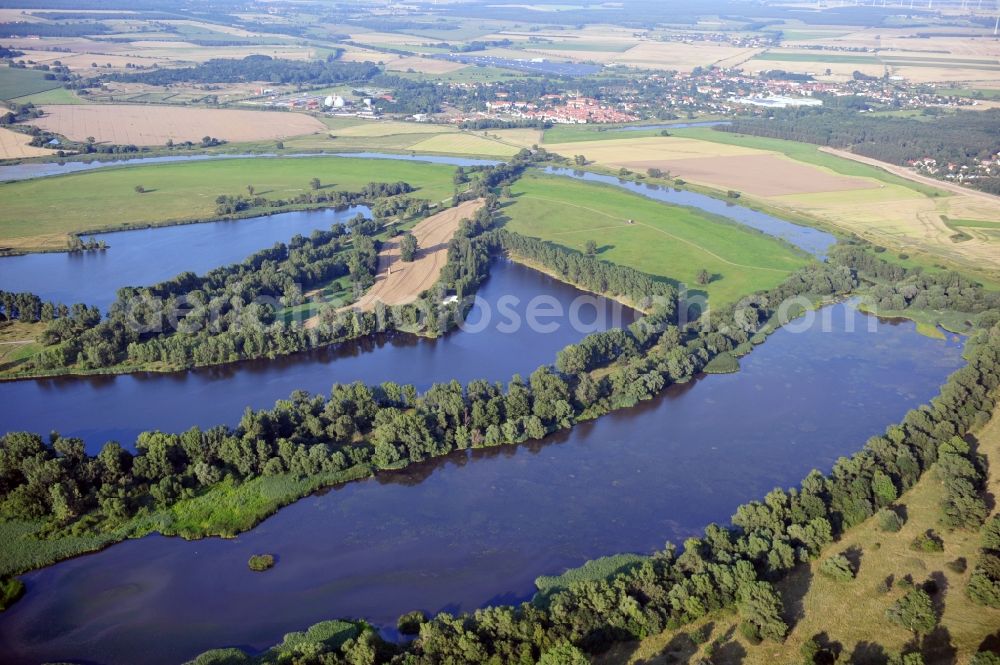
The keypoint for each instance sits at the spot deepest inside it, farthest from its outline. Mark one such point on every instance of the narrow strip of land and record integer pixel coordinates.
(399, 282)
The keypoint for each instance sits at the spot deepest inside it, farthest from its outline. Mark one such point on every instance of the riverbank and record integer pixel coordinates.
(851, 615)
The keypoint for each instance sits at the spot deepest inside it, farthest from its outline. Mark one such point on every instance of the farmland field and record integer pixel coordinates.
(39, 213)
(672, 242)
(465, 143)
(155, 125)
(16, 82)
(14, 145)
(813, 184)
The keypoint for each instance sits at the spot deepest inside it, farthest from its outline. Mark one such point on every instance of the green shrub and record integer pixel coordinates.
(409, 623)
(927, 542)
(11, 589)
(889, 520)
(837, 568)
(261, 562)
(724, 363)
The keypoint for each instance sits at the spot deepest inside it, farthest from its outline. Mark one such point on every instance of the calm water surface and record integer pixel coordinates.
(477, 528)
(119, 407)
(30, 170)
(147, 256)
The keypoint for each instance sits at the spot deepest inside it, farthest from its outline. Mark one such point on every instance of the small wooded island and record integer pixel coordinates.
(261, 562)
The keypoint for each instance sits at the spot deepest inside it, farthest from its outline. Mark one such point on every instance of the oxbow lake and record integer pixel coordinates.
(477, 528)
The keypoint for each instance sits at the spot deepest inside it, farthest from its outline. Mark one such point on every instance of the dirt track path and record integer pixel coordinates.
(903, 172)
(409, 280)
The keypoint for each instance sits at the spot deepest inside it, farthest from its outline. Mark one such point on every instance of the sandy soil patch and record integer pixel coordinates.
(154, 125)
(426, 65)
(399, 283)
(15, 146)
(761, 175)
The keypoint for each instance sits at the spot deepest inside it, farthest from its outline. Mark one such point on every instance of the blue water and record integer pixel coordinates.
(811, 240)
(30, 170)
(476, 529)
(668, 126)
(147, 256)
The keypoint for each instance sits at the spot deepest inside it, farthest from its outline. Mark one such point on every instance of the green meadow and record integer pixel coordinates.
(39, 212)
(16, 82)
(672, 242)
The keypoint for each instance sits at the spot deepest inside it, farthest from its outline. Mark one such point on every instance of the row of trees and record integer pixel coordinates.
(584, 270)
(384, 199)
(257, 68)
(984, 583)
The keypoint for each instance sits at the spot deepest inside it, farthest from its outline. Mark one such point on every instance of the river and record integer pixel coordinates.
(477, 528)
(31, 170)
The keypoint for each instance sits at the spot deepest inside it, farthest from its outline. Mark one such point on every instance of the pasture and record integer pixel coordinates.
(40, 213)
(672, 242)
(155, 125)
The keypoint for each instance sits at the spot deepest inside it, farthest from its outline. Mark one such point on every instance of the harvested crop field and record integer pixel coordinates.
(406, 281)
(761, 175)
(152, 125)
(15, 146)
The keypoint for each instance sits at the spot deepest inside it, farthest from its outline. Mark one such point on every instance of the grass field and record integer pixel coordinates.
(671, 242)
(972, 93)
(853, 613)
(15, 82)
(817, 56)
(39, 213)
(54, 96)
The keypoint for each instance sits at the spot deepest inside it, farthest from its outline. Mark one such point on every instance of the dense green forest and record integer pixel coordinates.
(25, 29)
(258, 68)
(964, 138)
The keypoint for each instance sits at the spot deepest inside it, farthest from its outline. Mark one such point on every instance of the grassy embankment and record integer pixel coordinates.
(852, 614)
(671, 242)
(40, 214)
